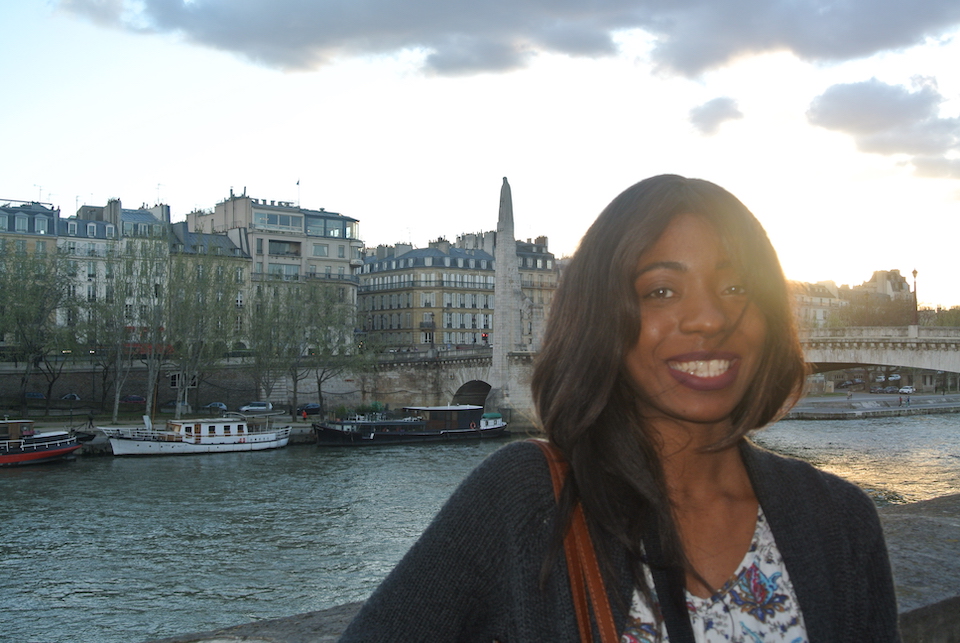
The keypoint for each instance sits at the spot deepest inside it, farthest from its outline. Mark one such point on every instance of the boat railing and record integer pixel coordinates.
(24, 445)
(162, 435)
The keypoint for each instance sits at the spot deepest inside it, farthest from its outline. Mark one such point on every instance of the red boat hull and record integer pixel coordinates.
(36, 456)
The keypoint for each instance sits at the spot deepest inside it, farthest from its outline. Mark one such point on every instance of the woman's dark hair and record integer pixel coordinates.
(587, 402)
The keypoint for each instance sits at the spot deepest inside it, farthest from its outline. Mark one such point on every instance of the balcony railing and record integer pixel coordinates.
(432, 283)
(267, 276)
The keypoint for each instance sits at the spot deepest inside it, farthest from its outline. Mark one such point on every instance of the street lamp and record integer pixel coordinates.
(916, 315)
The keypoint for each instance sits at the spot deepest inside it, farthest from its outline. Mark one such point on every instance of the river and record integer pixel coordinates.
(129, 549)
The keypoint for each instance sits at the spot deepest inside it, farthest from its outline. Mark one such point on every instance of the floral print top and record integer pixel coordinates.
(757, 604)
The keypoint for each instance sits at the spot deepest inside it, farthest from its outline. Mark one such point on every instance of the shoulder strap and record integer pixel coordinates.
(582, 563)
(669, 581)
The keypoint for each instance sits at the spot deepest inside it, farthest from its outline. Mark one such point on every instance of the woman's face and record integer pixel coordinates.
(701, 336)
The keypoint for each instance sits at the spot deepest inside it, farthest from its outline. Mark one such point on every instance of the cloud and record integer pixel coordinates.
(691, 36)
(893, 119)
(708, 118)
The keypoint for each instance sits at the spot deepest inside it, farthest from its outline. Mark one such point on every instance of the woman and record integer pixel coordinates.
(670, 338)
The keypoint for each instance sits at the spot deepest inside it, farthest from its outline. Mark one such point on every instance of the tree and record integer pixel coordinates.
(33, 286)
(334, 348)
(266, 324)
(199, 312)
(874, 311)
(146, 295)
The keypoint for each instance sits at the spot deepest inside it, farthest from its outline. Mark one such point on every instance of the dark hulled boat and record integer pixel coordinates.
(20, 444)
(416, 424)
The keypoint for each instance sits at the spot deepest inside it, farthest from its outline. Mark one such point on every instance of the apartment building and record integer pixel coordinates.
(287, 242)
(442, 296)
(813, 304)
(28, 226)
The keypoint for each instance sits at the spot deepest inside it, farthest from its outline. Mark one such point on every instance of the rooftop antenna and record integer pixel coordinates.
(158, 193)
(298, 193)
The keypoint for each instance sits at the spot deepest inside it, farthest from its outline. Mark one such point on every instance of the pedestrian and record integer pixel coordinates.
(670, 338)
(900, 401)
(303, 413)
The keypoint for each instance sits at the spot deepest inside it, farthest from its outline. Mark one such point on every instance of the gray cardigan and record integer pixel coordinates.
(474, 574)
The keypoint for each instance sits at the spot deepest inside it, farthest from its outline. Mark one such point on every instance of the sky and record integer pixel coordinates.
(837, 122)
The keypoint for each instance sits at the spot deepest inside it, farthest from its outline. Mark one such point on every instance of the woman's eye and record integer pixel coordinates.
(736, 289)
(659, 293)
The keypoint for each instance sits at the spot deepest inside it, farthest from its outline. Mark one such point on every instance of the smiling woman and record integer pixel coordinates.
(670, 339)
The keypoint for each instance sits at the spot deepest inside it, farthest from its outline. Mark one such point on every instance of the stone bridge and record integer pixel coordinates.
(934, 348)
(437, 377)
(466, 376)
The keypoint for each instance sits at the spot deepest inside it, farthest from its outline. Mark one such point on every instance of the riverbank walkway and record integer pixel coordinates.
(866, 405)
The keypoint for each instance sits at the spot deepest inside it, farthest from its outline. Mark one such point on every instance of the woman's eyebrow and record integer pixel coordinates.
(665, 265)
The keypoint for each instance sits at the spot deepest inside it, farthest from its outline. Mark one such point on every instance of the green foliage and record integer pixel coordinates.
(875, 311)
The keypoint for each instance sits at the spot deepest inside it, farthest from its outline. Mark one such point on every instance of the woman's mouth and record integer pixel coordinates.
(705, 372)
(702, 367)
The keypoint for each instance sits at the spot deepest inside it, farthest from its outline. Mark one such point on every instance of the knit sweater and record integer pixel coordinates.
(474, 574)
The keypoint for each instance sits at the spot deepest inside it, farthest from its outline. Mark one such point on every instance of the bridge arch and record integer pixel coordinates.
(473, 392)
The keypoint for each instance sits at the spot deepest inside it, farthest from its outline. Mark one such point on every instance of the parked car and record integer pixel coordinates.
(215, 406)
(846, 384)
(256, 407)
(907, 390)
(71, 396)
(891, 390)
(895, 377)
(133, 399)
(171, 407)
(310, 409)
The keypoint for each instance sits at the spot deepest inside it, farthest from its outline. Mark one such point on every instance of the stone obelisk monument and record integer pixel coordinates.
(508, 299)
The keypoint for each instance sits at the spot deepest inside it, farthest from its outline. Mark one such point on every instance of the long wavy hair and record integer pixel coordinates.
(587, 402)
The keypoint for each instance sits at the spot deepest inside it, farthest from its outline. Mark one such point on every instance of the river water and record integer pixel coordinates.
(129, 549)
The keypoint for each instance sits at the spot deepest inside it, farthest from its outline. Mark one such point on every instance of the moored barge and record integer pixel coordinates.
(417, 424)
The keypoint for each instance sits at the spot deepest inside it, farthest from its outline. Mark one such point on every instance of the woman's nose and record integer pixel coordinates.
(704, 313)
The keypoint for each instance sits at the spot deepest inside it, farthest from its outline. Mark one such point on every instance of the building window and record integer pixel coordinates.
(91, 230)
(40, 225)
(40, 247)
(21, 224)
(320, 249)
(285, 248)
(277, 221)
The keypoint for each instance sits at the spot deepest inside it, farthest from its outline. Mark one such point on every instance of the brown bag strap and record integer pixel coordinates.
(582, 563)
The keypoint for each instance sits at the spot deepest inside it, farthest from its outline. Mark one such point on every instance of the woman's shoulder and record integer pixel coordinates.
(517, 464)
(788, 481)
(517, 471)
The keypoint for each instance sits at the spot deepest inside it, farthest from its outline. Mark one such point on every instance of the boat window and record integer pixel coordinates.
(239, 428)
(189, 429)
(211, 430)
(226, 430)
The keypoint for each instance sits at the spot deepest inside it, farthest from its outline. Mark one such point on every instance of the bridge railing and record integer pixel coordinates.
(880, 333)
